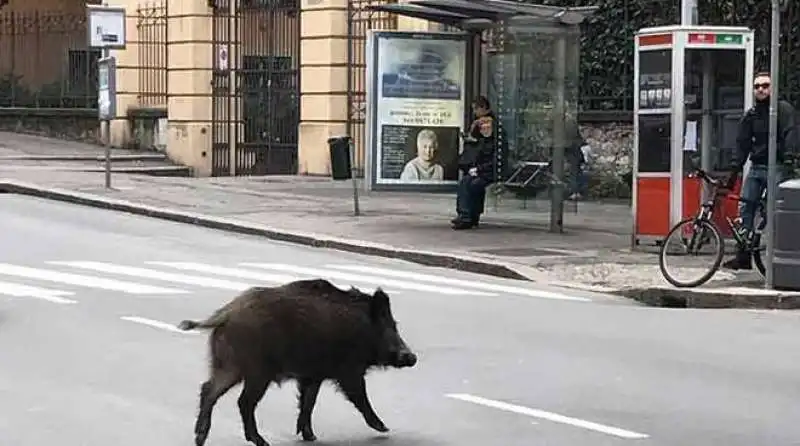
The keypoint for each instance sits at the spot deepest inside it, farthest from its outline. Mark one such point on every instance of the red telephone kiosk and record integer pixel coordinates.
(692, 84)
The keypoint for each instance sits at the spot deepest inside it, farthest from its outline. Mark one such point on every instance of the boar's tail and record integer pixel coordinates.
(214, 321)
(188, 325)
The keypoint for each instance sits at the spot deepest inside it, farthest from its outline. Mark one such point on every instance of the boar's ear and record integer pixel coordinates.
(379, 305)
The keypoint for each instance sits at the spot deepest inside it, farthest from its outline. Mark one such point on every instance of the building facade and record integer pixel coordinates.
(250, 88)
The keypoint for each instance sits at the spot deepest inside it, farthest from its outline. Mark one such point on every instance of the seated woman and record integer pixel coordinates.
(477, 163)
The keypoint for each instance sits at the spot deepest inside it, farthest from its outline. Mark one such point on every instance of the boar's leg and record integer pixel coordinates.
(355, 389)
(220, 382)
(309, 389)
(252, 392)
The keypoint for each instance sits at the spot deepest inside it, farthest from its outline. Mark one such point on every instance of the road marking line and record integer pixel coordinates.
(156, 324)
(358, 278)
(54, 296)
(242, 273)
(448, 281)
(223, 271)
(87, 281)
(158, 275)
(622, 433)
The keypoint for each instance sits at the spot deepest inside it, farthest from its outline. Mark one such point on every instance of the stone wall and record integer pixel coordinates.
(611, 159)
(69, 124)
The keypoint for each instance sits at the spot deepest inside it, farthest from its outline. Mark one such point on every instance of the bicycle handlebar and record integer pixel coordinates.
(707, 178)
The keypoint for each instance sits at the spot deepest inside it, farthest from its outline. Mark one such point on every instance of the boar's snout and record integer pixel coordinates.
(406, 359)
(398, 354)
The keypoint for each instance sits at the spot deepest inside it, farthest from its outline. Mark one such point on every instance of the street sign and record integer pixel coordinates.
(106, 26)
(106, 30)
(222, 59)
(107, 88)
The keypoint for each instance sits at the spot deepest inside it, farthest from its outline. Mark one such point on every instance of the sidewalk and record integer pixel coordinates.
(593, 252)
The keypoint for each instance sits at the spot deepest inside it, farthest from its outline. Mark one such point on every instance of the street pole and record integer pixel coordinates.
(356, 209)
(689, 12)
(559, 137)
(772, 168)
(106, 55)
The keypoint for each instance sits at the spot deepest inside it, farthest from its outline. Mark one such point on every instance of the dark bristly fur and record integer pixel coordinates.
(306, 330)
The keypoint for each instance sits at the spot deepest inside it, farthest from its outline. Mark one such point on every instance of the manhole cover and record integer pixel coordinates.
(525, 252)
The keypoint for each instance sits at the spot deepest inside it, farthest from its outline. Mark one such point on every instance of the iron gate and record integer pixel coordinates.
(255, 87)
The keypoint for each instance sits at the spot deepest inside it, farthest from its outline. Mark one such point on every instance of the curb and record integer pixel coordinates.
(451, 261)
(710, 298)
(76, 157)
(665, 296)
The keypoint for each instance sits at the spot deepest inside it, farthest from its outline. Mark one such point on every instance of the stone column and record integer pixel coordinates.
(127, 75)
(323, 81)
(190, 64)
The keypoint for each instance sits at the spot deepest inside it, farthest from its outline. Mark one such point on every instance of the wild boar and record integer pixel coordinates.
(307, 330)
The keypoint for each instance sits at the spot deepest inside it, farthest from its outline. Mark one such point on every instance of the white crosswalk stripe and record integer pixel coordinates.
(247, 274)
(147, 279)
(225, 271)
(252, 275)
(158, 275)
(85, 281)
(157, 324)
(361, 278)
(446, 280)
(17, 290)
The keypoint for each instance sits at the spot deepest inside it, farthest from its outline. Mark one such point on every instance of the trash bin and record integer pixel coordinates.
(786, 262)
(340, 157)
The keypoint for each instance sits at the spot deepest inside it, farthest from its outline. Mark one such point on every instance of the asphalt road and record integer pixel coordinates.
(88, 357)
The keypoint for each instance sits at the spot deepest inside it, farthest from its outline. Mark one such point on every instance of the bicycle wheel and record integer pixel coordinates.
(693, 237)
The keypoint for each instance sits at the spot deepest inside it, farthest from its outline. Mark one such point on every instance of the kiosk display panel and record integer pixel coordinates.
(655, 79)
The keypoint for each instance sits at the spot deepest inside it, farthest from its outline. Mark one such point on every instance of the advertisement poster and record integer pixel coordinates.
(417, 108)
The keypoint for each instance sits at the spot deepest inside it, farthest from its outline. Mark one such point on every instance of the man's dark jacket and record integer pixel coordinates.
(753, 137)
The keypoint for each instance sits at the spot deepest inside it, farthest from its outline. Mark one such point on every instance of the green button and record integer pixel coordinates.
(729, 38)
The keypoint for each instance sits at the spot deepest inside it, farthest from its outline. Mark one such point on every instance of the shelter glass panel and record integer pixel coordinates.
(533, 86)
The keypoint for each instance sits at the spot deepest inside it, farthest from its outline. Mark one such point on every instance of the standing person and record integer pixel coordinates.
(582, 153)
(478, 165)
(753, 141)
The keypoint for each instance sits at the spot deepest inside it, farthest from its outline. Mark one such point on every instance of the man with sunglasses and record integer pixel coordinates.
(753, 141)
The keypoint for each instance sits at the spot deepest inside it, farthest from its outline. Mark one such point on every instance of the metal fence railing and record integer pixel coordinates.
(151, 27)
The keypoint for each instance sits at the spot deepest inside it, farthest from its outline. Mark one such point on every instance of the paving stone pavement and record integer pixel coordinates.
(594, 249)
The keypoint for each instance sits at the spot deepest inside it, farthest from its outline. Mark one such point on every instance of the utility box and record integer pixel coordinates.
(786, 263)
(341, 164)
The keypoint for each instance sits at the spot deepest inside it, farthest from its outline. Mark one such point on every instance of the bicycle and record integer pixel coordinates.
(703, 230)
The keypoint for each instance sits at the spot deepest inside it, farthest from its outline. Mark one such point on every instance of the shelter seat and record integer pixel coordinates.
(530, 178)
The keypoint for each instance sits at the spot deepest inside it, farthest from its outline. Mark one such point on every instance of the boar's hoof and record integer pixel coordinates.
(307, 433)
(257, 440)
(378, 425)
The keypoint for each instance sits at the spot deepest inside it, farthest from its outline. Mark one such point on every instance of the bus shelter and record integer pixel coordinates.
(525, 59)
